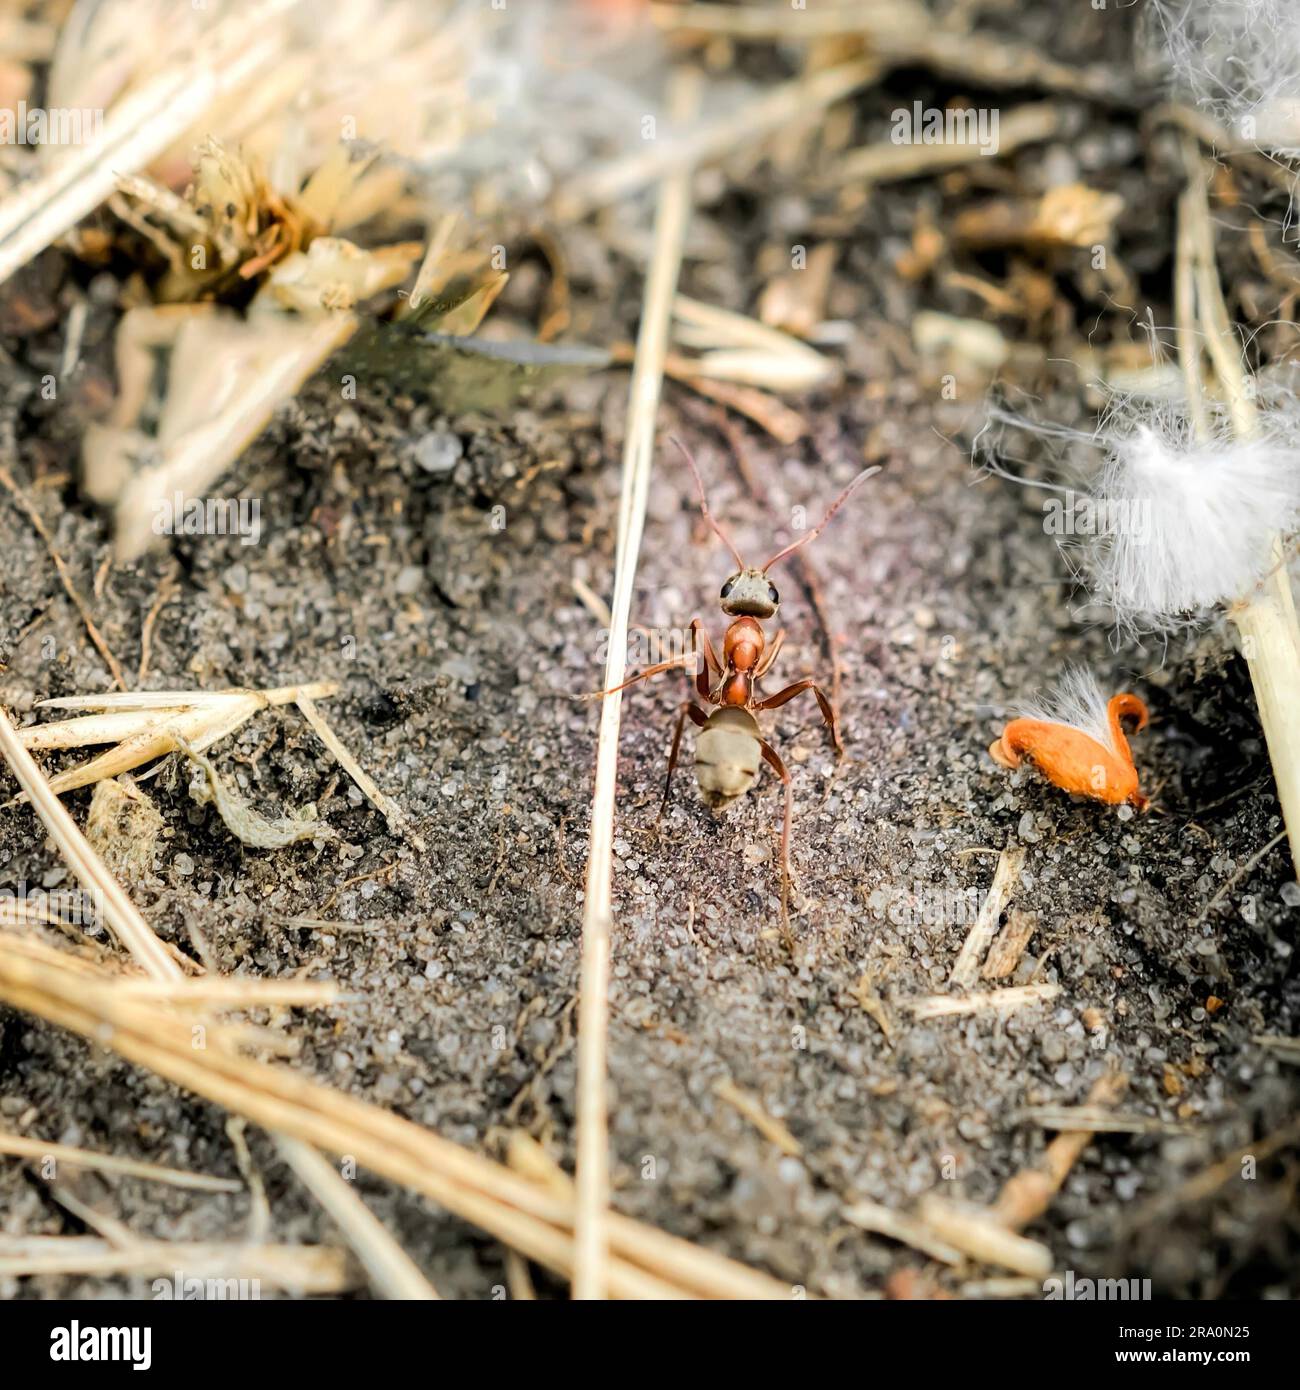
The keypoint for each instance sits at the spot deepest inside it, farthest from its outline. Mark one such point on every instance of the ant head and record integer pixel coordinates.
(749, 593)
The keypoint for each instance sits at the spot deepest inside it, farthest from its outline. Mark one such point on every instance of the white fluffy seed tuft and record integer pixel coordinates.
(1240, 60)
(1077, 701)
(1184, 526)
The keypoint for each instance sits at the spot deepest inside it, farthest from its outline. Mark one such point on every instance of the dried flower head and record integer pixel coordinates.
(1076, 740)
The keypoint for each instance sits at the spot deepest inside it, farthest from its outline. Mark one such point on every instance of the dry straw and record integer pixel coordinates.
(141, 1021)
(139, 128)
(591, 1277)
(1266, 617)
(537, 1220)
(375, 1247)
(22, 1146)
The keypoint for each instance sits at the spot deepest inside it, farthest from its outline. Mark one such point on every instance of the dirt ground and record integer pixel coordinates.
(461, 642)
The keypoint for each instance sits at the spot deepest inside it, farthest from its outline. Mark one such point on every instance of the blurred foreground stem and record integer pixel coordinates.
(1266, 619)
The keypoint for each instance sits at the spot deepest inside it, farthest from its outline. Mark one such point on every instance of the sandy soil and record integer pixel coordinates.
(461, 641)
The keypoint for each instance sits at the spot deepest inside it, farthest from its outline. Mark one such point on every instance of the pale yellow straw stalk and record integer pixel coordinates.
(591, 1236)
(1265, 618)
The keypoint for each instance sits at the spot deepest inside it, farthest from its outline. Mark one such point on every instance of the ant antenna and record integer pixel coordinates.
(818, 529)
(704, 504)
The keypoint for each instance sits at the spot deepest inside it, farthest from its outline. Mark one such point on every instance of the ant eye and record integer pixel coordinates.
(727, 588)
(772, 594)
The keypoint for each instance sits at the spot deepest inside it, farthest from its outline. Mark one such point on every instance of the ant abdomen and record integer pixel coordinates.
(727, 755)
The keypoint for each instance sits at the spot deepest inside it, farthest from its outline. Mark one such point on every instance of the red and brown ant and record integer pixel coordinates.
(730, 745)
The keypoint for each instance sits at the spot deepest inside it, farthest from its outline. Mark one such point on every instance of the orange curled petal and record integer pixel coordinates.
(1019, 738)
(1127, 706)
(1002, 756)
(1071, 760)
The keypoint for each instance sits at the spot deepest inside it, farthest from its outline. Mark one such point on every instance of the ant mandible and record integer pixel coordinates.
(729, 748)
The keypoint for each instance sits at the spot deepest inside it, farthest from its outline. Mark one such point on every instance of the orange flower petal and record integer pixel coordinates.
(1073, 760)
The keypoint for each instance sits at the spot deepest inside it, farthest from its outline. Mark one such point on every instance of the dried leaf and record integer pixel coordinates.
(467, 373)
(123, 826)
(243, 822)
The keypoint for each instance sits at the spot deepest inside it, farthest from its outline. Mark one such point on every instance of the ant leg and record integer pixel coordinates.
(773, 760)
(700, 719)
(640, 676)
(828, 710)
(711, 662)
(701, 677)
(769, 656)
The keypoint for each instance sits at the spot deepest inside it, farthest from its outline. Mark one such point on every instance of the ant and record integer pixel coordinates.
(730, 745)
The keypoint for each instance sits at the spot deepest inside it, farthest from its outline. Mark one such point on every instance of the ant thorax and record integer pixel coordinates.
(749, 594)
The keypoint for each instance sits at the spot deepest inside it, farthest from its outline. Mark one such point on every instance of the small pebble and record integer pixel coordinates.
(790, 1170)
(1076, 1235)
(439, 452)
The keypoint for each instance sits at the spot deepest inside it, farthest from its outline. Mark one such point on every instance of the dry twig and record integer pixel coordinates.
(590, 1277)
(966, 968)
(22, 501)
(643, 1263)
(23, 1146)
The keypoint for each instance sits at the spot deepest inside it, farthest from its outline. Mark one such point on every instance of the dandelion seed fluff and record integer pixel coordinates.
(1239, 59)
(1077, 701)
(1187, 524)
